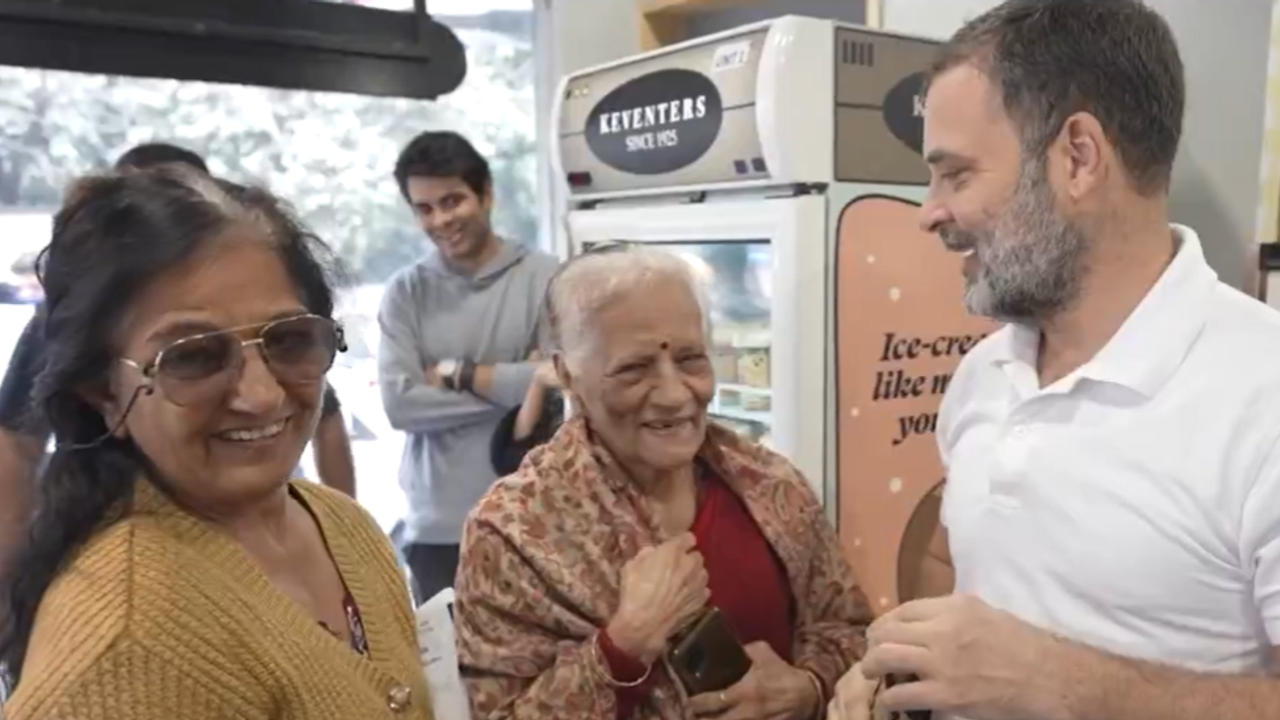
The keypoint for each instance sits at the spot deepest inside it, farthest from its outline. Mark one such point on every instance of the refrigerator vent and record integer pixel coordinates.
(853, 52)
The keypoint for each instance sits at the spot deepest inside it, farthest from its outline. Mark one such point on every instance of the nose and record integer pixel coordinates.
(437, 220)
(933, 214)
(670, 393)
(257, 392)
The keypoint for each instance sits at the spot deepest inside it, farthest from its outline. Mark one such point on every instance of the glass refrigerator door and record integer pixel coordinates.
(738, 276)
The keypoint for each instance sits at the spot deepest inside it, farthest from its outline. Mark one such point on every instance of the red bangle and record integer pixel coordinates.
(622, 666)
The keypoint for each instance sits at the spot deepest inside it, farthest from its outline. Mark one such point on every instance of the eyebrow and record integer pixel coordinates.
(428, 204)
(936, 157)
(179, 329)
(617, 365)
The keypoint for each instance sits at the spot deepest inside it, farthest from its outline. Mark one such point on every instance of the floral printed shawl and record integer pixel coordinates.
(541, 558)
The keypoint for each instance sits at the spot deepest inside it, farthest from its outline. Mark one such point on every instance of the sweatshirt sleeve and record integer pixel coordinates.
(511, 383)
(511, 380)
(410, 403)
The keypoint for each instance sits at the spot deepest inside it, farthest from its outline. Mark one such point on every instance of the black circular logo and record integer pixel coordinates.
(904, 111)
(656, 123)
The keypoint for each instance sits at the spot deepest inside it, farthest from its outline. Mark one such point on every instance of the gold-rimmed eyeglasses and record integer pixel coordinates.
(202, 367)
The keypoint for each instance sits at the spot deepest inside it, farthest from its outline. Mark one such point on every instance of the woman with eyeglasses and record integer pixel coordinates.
(172, 568)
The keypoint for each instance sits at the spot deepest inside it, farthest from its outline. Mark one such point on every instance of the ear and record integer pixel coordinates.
(562, 371)
(1086, 154)
(566, 381)
(110, 405)
(99, 396)
(486, 196)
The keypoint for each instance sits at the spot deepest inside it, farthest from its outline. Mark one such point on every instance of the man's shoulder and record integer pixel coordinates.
(1241, 331)
(410, 274)
(1235, 312)
(409, 279)
(541, 262)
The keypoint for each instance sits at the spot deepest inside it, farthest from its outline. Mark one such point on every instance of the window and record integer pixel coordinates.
(329, 154)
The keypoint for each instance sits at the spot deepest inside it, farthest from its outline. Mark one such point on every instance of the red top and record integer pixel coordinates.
(746, 579)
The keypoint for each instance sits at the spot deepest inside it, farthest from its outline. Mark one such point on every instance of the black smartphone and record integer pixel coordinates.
(891, 680)
(707, 655)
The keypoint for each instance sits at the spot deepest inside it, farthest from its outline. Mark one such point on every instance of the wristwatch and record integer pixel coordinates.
(447, 370)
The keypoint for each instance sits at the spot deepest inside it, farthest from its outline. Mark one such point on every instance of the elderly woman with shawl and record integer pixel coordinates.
(577, 570)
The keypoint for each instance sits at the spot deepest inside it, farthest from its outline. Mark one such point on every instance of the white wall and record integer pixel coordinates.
(930, 18)
(590, 32)
(1224, 46)
(846, 10)
(572, 34)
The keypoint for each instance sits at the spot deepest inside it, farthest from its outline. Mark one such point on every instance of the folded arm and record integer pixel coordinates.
(411, 403)
(504, 384)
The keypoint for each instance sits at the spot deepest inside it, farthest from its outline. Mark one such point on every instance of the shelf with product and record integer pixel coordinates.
(744, 389)
(761, 417)
(754, 430)
(744, 398)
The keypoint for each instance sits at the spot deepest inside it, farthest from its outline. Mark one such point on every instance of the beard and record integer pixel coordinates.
(1030, 261)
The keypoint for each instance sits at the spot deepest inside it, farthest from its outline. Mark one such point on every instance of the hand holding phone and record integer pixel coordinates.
(662, 590)
(891, 680)
(707, 655)
(768, 686)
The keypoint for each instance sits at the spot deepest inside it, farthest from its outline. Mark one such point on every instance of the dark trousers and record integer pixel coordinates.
(433, 568)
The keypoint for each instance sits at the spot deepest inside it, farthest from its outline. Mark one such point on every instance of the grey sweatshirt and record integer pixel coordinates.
(430, 313)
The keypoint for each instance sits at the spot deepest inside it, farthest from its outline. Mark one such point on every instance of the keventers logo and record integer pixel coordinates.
(904, 111)
(656, 123)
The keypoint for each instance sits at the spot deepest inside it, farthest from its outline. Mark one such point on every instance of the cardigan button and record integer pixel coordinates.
(399, 698)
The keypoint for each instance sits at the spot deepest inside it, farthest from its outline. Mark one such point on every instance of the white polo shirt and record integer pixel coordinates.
(1134, 505)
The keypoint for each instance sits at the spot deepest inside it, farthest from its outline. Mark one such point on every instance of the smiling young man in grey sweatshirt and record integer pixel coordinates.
(457, 328)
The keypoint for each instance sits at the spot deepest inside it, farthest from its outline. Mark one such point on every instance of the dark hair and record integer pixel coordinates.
(115, 233)
(1115, 59)
(442, 153)
(148, 155)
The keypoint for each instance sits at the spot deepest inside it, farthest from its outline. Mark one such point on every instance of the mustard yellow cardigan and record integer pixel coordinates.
(163, 616)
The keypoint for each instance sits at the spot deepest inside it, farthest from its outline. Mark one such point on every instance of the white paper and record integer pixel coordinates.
(439, 654)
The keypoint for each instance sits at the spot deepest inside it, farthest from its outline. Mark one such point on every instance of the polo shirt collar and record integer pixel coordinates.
(1152, 342)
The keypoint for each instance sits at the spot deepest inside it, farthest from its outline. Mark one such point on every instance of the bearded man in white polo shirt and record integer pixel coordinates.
(1113, 452)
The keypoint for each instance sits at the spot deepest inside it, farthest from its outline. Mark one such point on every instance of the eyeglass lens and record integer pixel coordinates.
(199, 368)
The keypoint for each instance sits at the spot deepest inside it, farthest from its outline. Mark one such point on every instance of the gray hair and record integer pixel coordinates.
(588, 282)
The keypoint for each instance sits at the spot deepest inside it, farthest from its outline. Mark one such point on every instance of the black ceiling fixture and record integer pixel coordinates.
(301, 44)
